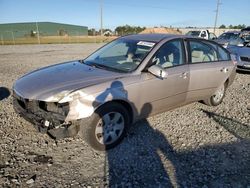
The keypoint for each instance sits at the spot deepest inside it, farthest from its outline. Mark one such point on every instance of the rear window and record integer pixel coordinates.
(229, 36)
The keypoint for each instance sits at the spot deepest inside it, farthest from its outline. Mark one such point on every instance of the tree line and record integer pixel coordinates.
(240, 26)
(120, 30)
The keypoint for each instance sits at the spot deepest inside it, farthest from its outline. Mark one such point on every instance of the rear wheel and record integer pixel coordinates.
(218, 96)
(106, 127)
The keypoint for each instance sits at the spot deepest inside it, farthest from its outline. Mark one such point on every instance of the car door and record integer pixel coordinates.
(164, 94)
(210, 66)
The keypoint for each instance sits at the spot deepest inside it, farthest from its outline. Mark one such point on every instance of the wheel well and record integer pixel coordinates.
(128, 107)
(226, 83)
(125, 104)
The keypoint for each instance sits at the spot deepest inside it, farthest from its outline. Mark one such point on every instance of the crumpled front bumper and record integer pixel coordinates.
(44, 121)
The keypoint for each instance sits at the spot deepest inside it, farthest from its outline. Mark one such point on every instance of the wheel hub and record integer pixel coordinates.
(219, 94)
(109, 128)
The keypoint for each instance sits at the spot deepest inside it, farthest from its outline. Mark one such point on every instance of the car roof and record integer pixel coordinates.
(237, 32)
(153, 37)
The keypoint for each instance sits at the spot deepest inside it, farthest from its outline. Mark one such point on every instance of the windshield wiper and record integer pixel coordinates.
(101, 66)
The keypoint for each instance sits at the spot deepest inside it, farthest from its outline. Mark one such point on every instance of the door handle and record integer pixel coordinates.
(224, 69)
(184, 75)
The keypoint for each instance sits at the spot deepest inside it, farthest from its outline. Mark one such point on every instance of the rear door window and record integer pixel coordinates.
(222, 54)
(202, 52)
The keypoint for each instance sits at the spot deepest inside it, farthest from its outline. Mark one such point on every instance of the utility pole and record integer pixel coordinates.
(38, 35)
(13, 37)
(216, 15)
(101, 17)
(2, 39)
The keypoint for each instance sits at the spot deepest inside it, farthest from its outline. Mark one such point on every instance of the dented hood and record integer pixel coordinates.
(59, 79)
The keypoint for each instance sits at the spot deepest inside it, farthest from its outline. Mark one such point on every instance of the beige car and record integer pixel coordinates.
(131, 78)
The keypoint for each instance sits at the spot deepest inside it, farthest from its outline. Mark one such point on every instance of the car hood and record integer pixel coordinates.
(59, 80)
(240, 51)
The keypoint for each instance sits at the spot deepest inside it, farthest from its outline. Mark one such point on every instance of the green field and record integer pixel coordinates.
(57, 40)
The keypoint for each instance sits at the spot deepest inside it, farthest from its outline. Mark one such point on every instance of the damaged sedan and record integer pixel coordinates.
(130, 78)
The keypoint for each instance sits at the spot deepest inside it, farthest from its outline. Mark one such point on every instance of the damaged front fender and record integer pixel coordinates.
(83, 105)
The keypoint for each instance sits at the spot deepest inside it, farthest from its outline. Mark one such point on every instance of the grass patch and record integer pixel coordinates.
(58, 40)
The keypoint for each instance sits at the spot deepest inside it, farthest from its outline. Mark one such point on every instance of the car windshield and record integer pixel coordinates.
(236, 42)
(193, 33)
(122, 55)
(229, 36)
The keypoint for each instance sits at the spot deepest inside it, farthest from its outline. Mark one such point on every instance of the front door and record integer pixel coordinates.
(165, 94)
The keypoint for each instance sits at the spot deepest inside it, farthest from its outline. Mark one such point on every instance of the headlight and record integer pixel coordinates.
(59, 108)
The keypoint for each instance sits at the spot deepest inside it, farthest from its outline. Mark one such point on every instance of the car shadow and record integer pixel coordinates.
(137, 162)
(4, 93)
(146, 158)
(235, 127)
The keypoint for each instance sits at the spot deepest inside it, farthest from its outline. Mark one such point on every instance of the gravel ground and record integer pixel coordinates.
(193, 146)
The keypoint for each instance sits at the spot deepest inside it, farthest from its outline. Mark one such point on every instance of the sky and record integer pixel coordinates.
(148, 13)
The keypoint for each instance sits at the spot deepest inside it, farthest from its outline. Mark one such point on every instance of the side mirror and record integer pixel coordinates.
(158, 71)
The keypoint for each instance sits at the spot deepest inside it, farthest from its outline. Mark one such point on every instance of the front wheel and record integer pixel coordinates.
(218, 96)
(106, 127)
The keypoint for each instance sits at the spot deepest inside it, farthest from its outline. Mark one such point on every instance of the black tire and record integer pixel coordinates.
(90, 126)
(217, 98)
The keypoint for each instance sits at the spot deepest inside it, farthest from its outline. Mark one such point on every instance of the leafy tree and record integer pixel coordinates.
(91, 32)
(127, 29)
(62, 32)
(237, 26)
(241, 26)
(222, 26)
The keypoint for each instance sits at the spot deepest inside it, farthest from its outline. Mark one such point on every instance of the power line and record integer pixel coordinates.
(149, 6)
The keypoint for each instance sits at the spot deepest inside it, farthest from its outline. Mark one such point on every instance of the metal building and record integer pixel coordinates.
(20, 30)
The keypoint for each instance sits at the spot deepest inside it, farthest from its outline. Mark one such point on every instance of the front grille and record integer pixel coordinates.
(245, 59)
(242, 67)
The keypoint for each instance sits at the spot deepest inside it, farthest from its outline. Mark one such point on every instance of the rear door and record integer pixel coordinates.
(210, 66)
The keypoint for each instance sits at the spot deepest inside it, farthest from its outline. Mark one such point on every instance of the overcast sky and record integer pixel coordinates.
(176, 13)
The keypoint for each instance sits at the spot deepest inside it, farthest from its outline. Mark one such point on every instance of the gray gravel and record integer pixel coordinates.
(193, 146)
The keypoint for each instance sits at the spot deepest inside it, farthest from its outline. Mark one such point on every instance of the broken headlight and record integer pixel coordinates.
(59, 108)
